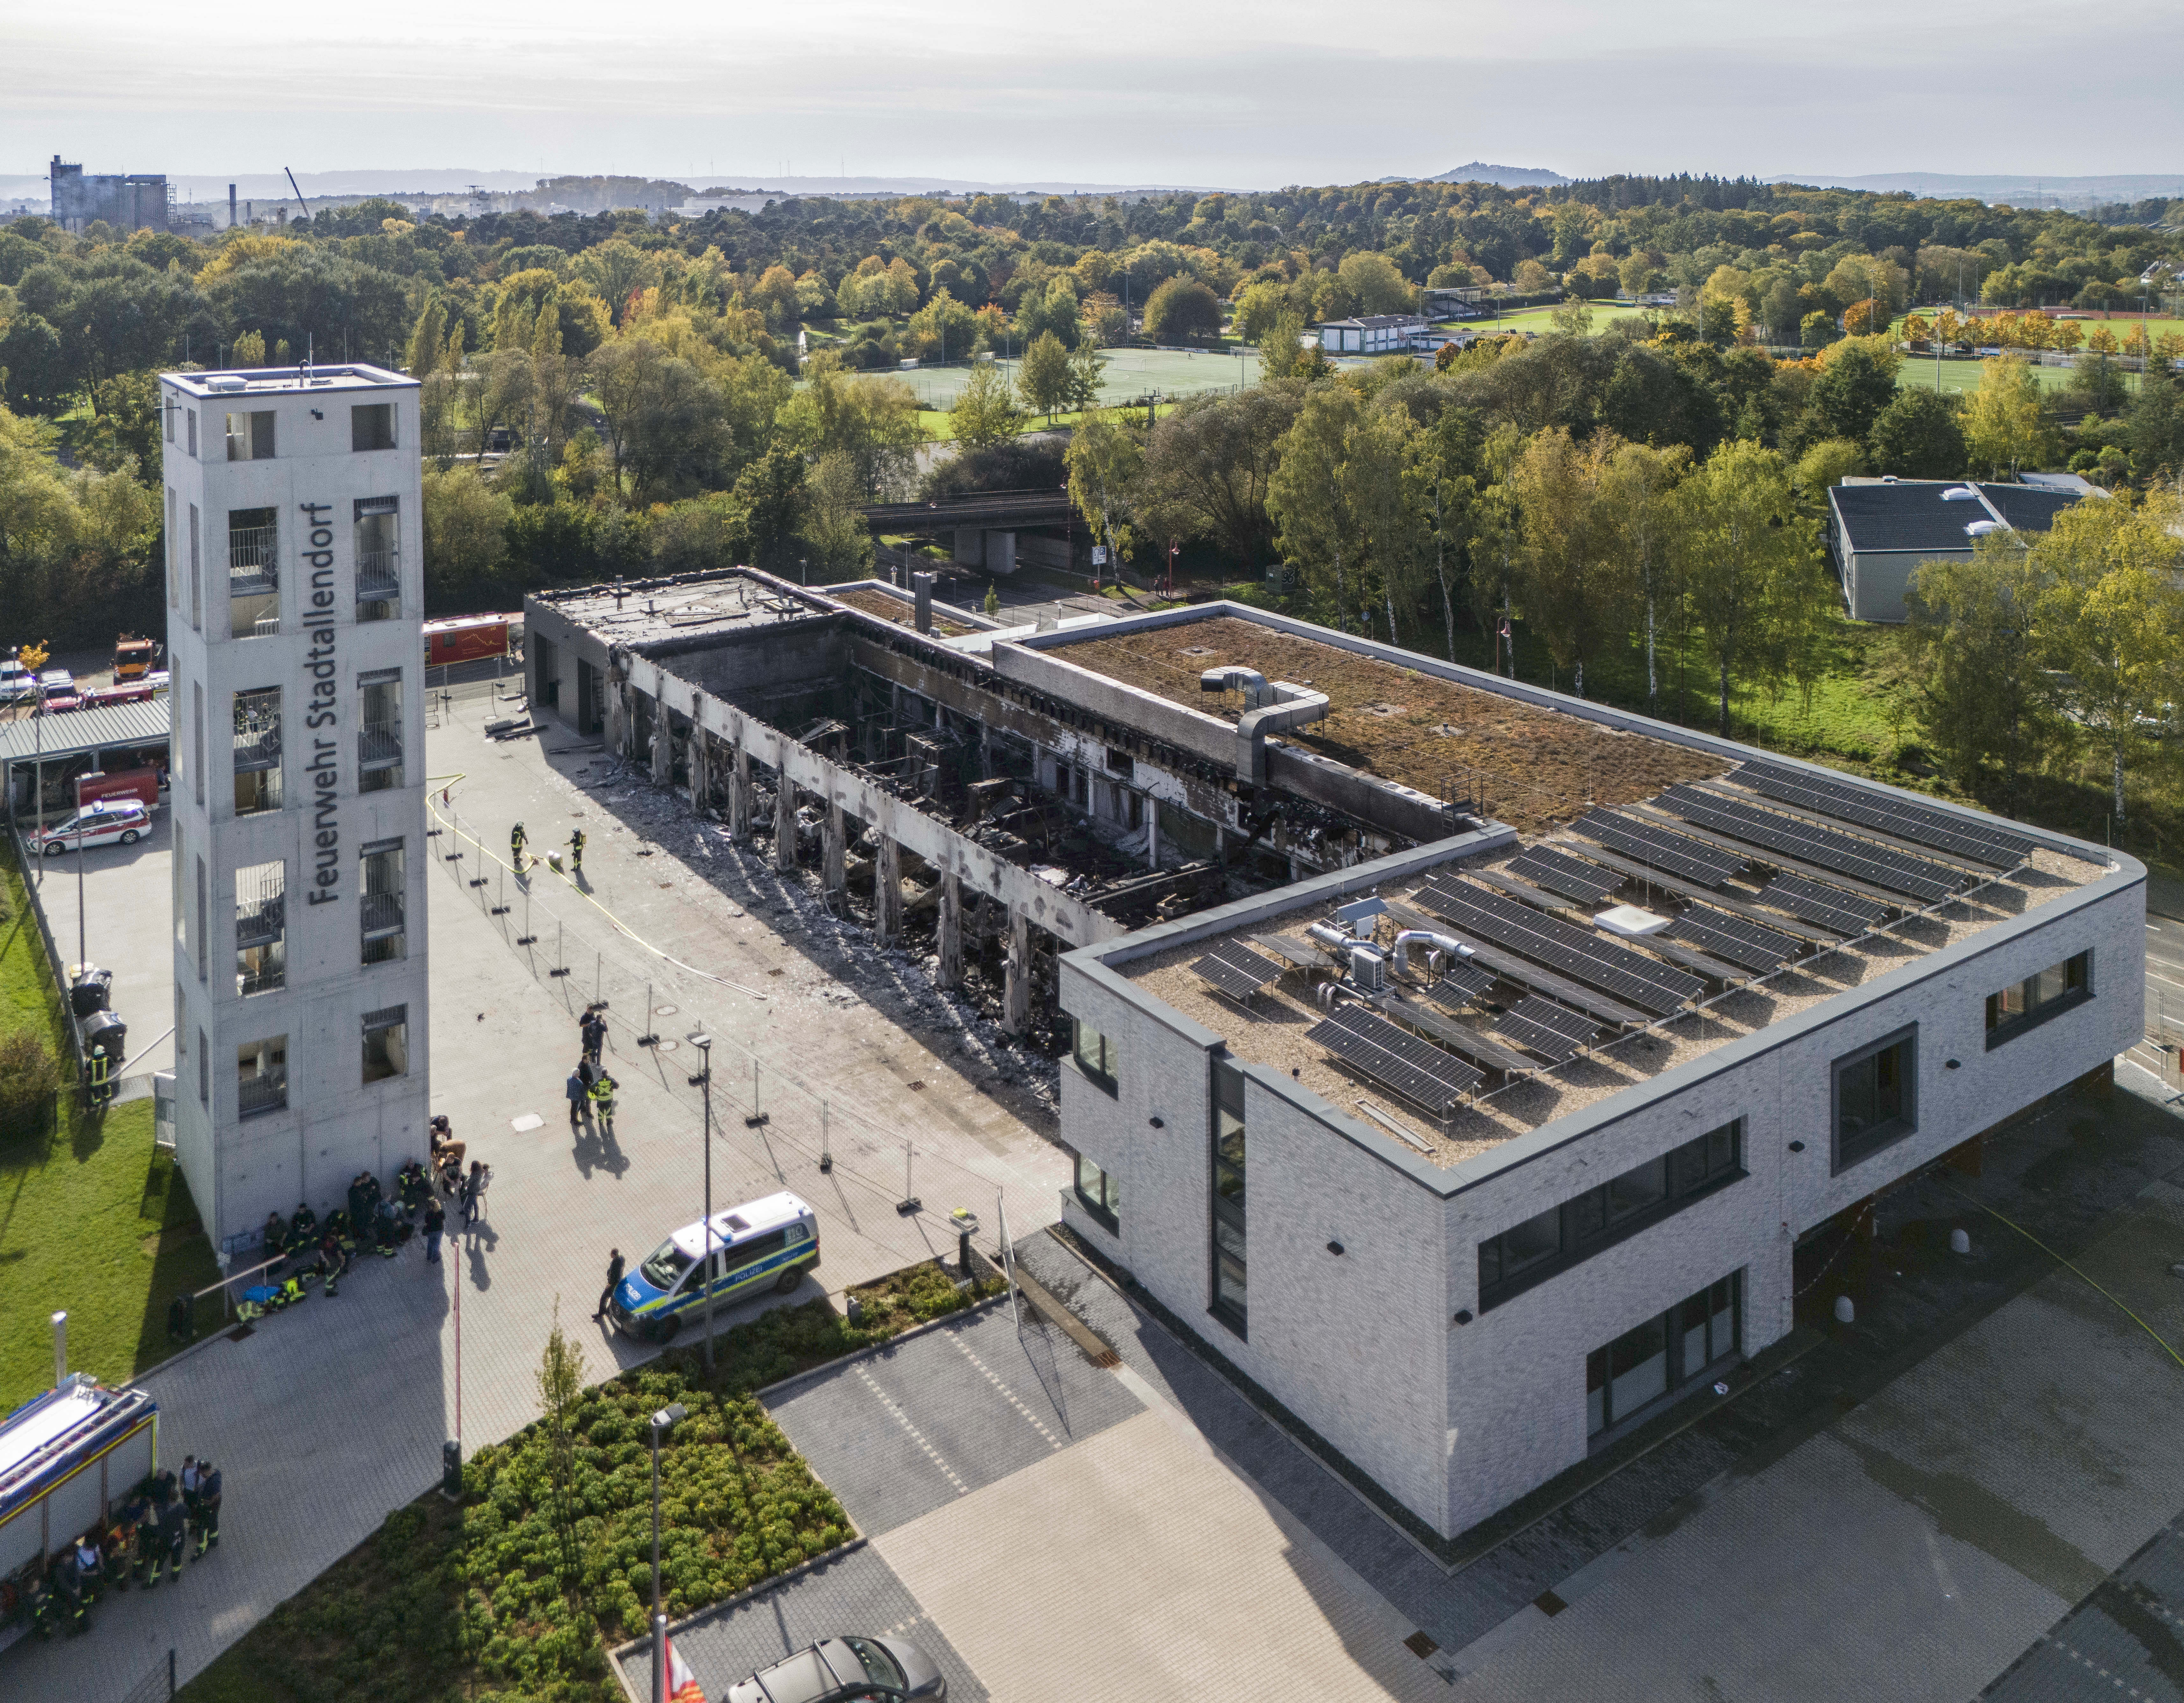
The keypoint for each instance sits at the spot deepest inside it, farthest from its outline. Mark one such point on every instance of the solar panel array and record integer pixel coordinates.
(1575, 951)
(1659, 847)
(1920, 824)
(1815, 902)
(1236, 969)
(1560, 872)
(1419, 1071)
(1464, 984)
(1749, 945)
(1897, 871)
(1540, 1025)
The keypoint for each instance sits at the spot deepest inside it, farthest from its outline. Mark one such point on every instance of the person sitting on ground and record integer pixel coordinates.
(445, 1146)
(303, 1229)
(275, 1234)
(359, 1199)
(412, 1187)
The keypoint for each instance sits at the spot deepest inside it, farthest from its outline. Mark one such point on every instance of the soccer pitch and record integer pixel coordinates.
(1129, 374)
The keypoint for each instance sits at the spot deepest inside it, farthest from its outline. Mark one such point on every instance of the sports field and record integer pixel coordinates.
(1129, 374)
(1541, 320)
(1961, 376)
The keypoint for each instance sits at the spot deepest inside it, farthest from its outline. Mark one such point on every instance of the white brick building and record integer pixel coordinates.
(295, 597)
(1471, 1306)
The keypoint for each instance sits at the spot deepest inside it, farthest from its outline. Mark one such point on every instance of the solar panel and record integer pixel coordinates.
(1540, 1025)
(1237, 970)
(1896, 871)
(1575, 951)
(1299, 958)
(1814, 901)
(1921, 824)
(1751, 945)
(1413, 1068)
(1658, 847)
(1560, 872)
(1465, 984)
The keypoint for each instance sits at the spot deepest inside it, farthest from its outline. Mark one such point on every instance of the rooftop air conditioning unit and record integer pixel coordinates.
(1368, 969)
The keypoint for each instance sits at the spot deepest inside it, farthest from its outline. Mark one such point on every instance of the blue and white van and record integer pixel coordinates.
(774, 1241)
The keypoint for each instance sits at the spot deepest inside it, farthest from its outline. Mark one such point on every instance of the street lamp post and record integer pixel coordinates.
(660, 1421)
(704, 1043)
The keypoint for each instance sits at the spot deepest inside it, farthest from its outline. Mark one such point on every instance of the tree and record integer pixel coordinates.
(1378, 287)
(1284, 352)
(836, 540)
(1257, 307)
(666, 425)
(1086, 366)
(1440, 483)
(2002, 426)
(1569, 571)
(985, 410)
(1053, 308)
(560, 1382)
(2157, 428)
(770, 492)
(1638, 508)
(1532, 279)
(943, 329)
(1848, 396)
(33, 366)
(1816, 331)
(1973, 672)
(2110, 614)
(427, 338)
(1917, 436)
(1106, 467)
(1336, 499)
(1183, 311)
(1043, 378)
(873, 421)
(1208, 464)
(1753, 575)
(465, 534)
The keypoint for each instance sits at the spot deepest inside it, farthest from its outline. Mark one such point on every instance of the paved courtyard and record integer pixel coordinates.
(325, 1419)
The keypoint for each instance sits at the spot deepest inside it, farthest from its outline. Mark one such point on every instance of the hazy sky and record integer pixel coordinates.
(1132, 91)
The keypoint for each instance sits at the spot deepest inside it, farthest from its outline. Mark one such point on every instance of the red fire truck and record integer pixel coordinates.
(470, 638)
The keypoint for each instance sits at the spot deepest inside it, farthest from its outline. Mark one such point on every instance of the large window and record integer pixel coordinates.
(1095, 1054)
(261, 927)
(1560, 1237)
(386, 1043)
(385, 897)
(371, 426)
(378, 537)
(250, 436)
(1098, 1192)
(379, 731)
(257, 750)
(1876, 1097)
(253, 573)
(1666, 1352)
(2029, 1003)
(1229, 1268)
(261, 1073)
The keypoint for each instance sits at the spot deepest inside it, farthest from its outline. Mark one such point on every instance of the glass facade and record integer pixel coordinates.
(1230, 1297)
(1662, 1354)
(1098, 1192)
(1095, 1054)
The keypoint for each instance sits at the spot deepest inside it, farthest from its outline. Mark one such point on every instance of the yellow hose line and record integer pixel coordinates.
(2073, 1269)
(619, 925)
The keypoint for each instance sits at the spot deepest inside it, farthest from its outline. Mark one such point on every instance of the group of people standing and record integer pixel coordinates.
(590, 1086)
(148, 1538)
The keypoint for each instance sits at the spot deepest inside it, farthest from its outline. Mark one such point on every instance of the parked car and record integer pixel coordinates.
(58, 690)
(17, 683)
(110, 822)
(845, 1667)
(774, 1240)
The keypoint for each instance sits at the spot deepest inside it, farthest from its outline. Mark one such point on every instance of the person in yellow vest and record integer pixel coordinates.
(516, 839)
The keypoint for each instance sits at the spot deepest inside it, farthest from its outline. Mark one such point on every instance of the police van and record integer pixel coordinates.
(773, 1241)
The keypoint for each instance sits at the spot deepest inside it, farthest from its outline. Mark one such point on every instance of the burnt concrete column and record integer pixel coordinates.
(739, 794)
(1016, 994)
(887, 892)
(663, 743)
(1152, 832)
(837, 872)
(951, 931)
(699, 767)
(619, 731)
(784, 814)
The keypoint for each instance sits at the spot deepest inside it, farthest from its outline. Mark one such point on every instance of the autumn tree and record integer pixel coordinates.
(986, 411)
(1043, 376)
(1107, 466)
(1640, 514)
(1569, 577)
(2002, 425)
(1976, 675)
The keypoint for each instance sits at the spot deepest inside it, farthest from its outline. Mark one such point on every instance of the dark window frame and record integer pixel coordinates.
(1101, 1074)
(1226, 1211)
(1586, 1224)
(2001, 1031)
(1883, 1136)
(1102, 1206)
(1678, 1376)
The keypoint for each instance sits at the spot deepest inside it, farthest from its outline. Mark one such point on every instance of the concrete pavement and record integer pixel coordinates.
(128, 894)
(326, 1418)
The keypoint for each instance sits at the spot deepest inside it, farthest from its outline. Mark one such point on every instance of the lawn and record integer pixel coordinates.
(1541, 321)
(516, 1593)
(93, 1221)
(1960, 377)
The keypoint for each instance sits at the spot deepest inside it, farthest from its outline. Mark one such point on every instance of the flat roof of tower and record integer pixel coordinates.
(249, 381)
(720, 605)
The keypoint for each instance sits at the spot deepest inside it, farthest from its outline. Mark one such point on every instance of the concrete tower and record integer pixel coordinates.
(295, 598)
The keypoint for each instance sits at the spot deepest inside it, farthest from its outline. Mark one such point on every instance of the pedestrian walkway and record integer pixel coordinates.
(326, 1418)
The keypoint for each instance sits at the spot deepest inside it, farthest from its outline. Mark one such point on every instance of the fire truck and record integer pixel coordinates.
(471, 639)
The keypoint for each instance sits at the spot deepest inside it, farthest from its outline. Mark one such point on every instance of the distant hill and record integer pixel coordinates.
(1508, 176)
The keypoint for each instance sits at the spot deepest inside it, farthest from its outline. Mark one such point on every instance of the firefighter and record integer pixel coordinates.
(173, 1533)
(274, 1235)
(207, 1508)
(100, 1070)
(333, 1261)
(516, 839)
(116, 1551)
(303, 1230)
(71, 1610)
(147, 1535)
(90, 1565)
(602, 1102)
(576, 852)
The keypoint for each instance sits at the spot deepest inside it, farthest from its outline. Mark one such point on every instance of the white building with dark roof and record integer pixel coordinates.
(1880, 530)
(1373, 334)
